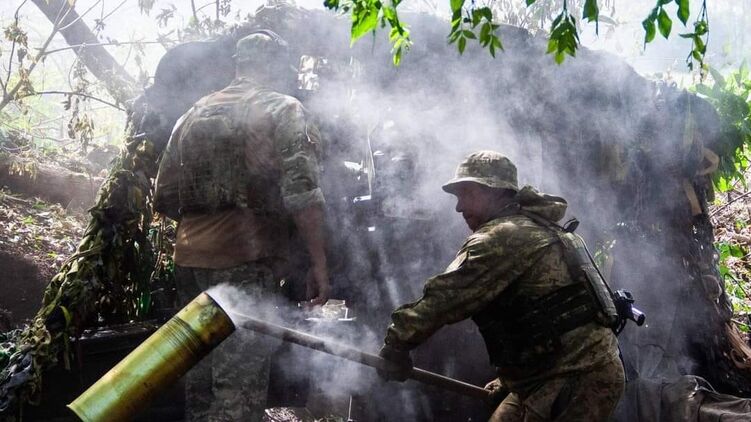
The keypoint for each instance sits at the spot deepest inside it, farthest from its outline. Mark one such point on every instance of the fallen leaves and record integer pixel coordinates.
(37, 229)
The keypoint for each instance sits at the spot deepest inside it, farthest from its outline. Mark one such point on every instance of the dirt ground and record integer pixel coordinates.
(35, 239)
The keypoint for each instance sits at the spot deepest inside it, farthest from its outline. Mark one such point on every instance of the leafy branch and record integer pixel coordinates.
(464, 22)
(367, 14)
(17, 36)
(24, 83)
(731, 97)
(564, 38)
(478, 22)
(699, 38)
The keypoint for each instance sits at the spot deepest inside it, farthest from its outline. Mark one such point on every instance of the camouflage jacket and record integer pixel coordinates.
(509, 255)
(282, 153)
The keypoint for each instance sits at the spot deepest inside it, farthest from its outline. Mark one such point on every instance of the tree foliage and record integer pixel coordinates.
(478, 22)
(731, 97)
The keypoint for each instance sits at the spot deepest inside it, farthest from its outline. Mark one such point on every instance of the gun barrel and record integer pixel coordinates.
(355, 355)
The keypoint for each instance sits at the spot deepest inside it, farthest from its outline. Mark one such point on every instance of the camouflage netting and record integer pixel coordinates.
(633, 158)
(108, 279)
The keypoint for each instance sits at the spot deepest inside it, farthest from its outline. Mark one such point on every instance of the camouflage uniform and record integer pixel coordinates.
(508, 258)
(246, 245)
(231, 383)
(281, 153)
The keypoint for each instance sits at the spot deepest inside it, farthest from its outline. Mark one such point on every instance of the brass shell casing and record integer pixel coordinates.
(156, 363)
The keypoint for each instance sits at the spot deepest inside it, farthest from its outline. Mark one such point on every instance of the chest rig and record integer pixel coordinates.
(523, 332)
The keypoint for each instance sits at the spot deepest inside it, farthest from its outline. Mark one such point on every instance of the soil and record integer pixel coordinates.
(35, 239)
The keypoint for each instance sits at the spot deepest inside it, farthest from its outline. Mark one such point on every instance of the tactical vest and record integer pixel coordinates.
(521, 332)
(212, 171)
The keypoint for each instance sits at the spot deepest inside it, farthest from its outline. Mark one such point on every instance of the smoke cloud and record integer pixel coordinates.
(620, 148)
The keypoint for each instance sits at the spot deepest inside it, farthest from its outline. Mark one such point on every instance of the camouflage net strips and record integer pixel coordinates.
(108, 279)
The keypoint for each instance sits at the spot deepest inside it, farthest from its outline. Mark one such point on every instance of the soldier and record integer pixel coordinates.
(540, 304)
(240, 168)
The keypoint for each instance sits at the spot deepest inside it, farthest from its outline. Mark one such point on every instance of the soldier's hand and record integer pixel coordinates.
(317, 286)
(398, 364)
(496, 392)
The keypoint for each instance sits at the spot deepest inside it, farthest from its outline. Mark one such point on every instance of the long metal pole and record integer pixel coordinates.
(355, 355)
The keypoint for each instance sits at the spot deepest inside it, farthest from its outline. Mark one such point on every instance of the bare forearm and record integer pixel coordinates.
(309, 222)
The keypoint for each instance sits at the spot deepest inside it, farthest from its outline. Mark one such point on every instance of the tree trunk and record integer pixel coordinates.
(51, 183)
(96, 58)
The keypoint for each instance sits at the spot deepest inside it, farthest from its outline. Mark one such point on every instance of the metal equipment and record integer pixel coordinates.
(355, 355)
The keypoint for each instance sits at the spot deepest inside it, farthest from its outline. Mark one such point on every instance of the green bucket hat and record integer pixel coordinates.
(488, 168)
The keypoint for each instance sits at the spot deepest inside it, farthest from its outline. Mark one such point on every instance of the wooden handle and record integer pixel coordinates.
(355, 355)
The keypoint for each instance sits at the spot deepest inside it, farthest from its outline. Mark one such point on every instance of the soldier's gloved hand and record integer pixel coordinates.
(399, 364)
(496, 393)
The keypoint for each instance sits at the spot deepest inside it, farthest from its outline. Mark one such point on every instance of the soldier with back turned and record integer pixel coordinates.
(241, 169)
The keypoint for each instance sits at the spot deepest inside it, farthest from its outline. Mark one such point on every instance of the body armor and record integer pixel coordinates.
(523, 332)
(207, 156)
(213, 172)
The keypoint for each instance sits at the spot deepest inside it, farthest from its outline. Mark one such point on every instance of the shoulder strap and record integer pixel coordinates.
(581, 266)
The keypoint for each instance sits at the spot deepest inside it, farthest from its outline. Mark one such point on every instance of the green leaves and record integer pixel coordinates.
(698, 37)
(456, 6)
(461, 44)
(657, 19)
(728, 250)
(464, 24)
(732, 268)
(731, 97)
(364, 18)
(649, 27)
(683, 11)
(564, 38)
(331, 4)
(470, 21)
(664, 23)
(590, 11)
(399, 38)
(367, 14)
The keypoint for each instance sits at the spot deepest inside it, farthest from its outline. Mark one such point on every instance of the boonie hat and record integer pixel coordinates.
(488, 168)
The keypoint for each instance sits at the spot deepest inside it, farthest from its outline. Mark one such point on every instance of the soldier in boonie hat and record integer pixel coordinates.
(547, 326)
(488, 168)
(484, 184)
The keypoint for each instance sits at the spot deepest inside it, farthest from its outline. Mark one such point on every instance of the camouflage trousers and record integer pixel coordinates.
(588, 397)
(231, 383)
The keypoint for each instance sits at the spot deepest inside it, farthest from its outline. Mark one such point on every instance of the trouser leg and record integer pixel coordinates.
(198, 390)
(594, 395)
(231, 384)
(240, 378)
(589, 396)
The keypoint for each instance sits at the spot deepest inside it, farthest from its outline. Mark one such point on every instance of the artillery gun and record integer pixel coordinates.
(366, 176)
